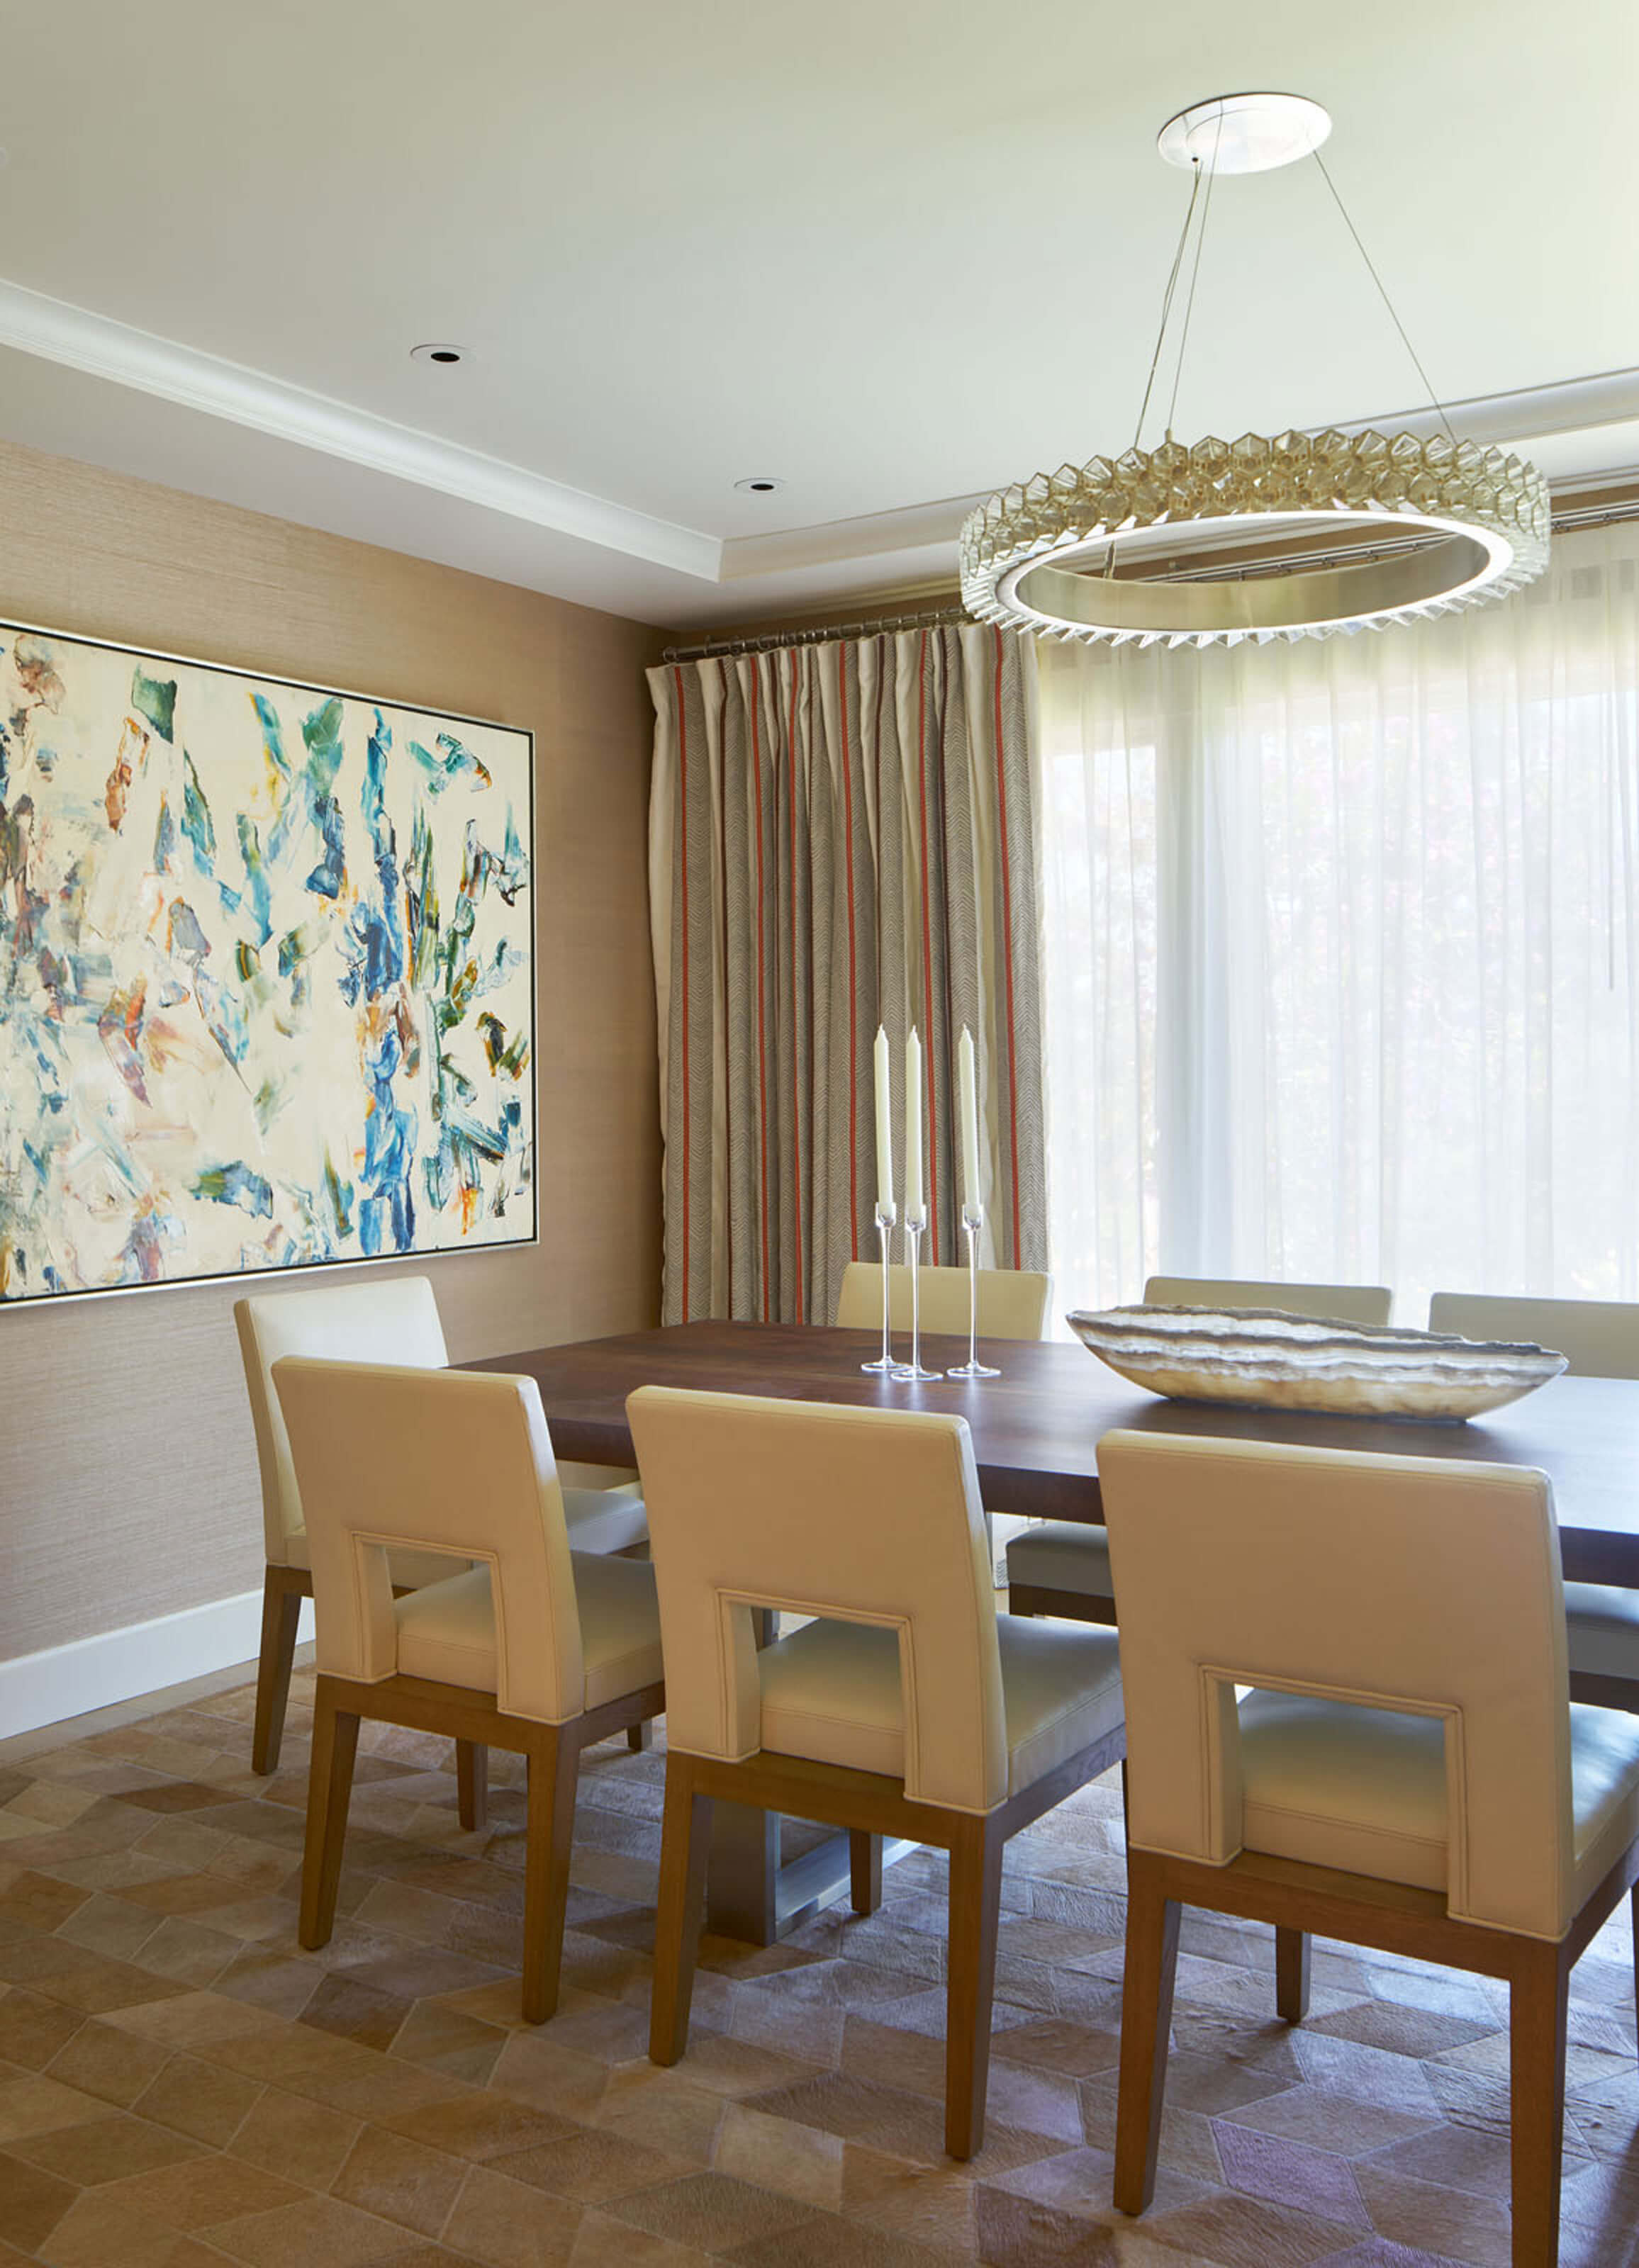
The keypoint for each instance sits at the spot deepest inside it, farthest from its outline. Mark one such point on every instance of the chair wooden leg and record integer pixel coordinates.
(281, 1611)
(472, 1782)
(1152, 1954)
(975, 1915)
(329, 1787)
(640, 1737)
(1537, 2006)
(685, 1845)
(1291, 1974)
(865, 1872)
(554, 1769)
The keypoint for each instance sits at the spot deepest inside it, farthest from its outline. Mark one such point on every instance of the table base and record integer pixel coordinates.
(750, 1895)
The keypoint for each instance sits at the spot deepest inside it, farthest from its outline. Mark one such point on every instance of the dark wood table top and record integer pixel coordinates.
(1036, 1429)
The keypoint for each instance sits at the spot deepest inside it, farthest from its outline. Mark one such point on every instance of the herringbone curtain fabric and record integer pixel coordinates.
(840, 835)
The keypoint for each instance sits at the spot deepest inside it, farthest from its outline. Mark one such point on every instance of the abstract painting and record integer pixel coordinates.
(266, 973)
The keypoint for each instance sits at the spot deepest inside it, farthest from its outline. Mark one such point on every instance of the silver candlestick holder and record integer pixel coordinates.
(913, 1371)
(886, 1216)
(972, 1221)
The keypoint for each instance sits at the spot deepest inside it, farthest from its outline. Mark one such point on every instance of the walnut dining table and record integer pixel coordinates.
(1036, 1430)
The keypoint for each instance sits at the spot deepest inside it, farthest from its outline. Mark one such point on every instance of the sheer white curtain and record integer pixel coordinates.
(1342, 967)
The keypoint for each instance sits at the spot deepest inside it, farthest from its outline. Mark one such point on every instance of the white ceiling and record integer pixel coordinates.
(894, 255)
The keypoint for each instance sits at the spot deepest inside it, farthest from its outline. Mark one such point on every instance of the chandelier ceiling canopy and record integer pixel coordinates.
(1400, 525)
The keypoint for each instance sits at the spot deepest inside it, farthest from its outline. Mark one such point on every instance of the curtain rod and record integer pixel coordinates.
(1579, 516)
(930, 618)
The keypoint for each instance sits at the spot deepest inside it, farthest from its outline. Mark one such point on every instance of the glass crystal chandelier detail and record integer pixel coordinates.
(1399, 525)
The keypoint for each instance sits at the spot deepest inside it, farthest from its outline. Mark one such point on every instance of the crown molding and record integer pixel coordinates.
(678, 575)
(57, 332)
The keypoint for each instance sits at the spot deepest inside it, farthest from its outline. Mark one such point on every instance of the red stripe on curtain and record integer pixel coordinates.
(687, 1112)
(722, 931)
(1006, 957)
(927, 945)
(853, 974)
(762, 997)
(796, 1031)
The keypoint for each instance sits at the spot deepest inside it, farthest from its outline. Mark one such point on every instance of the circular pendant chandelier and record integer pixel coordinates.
(1376, 528)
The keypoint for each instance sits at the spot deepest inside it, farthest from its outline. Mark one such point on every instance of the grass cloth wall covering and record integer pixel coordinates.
(127, 1471)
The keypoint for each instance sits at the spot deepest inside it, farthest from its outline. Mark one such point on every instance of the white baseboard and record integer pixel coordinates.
(120, 1665)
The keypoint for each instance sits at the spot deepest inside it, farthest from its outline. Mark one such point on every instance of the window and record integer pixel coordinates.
(1343, 952)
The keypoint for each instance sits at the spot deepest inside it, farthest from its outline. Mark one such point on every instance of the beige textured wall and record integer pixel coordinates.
(127, 1471)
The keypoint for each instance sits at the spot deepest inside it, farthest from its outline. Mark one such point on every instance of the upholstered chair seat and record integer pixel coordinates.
(1062, 1567)
(1349, 1715)
(447, 1630)
(531, 1647)
(1364, 1790)
(1600, 1338)
(832, 1691)
(908, 1707)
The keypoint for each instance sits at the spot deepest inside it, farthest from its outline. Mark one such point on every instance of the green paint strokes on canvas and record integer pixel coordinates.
(321, 730)
(503, 1055)
(197, 815)
(155, 698)
(236, 1184)
(340, 1195)
(272, 732)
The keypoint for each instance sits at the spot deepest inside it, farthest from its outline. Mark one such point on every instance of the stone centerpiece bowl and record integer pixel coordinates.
(1259, 1358)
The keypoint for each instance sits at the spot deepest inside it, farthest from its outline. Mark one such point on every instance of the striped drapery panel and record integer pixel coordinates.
(840, 835)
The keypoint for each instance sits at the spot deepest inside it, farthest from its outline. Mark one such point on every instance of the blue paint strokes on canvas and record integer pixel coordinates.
(450, 761)
(187, 939)
(258, 890)
(196, 817)
(235, 1184)
(387, 1212)
(329, 875)
(272, 732)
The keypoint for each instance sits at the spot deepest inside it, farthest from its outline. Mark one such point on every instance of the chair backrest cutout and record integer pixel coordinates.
(434, 1460)
(1406, 1583)
(860, 1515)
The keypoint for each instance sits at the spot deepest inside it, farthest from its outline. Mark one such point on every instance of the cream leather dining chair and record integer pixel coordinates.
(908, 1708)
(393, 1319)
(1408, 1773)
(1335, 1303)
(1013, 1302)
(1062, 1567)
(524, 1644)
(1601, 1338)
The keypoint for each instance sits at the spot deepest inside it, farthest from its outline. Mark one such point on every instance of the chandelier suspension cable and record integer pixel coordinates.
(1166, 303)
(1161, 335)
(1189, 304)
(1435, 402)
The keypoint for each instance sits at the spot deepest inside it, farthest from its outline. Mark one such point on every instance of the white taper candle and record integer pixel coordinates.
(885, 1126)
(912, 1127)
(967, 1092)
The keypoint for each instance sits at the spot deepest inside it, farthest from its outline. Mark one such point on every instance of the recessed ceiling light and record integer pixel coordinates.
(437, 353)
(760, 485)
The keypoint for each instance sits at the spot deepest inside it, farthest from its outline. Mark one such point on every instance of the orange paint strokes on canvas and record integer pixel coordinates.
(133, 752)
